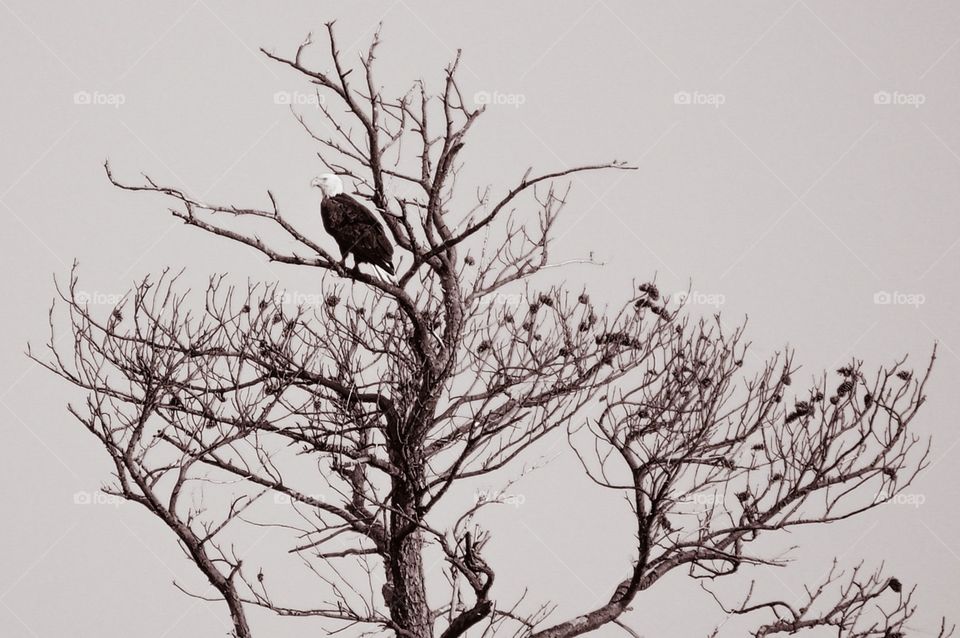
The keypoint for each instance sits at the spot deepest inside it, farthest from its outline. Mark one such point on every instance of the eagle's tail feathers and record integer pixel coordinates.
(385, 265)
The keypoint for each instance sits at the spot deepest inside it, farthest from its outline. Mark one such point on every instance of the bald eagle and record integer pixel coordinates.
(356, 230)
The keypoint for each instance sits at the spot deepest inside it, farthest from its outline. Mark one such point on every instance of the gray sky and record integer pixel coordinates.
(796, 158)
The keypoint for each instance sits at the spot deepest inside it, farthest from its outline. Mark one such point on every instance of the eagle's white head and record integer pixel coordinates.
(329, 184)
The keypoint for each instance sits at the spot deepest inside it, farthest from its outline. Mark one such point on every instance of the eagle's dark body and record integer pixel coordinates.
(357, 231)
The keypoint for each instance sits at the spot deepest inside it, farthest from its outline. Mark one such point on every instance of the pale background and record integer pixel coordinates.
(794, 202)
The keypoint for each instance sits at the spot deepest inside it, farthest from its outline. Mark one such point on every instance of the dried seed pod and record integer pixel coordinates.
(651, 290)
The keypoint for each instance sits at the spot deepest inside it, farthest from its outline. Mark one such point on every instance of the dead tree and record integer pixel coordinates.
(343, 424)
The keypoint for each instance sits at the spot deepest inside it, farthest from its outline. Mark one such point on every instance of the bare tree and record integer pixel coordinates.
(342, 425)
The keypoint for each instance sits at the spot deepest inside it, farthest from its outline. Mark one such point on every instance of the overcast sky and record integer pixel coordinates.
(798, 164)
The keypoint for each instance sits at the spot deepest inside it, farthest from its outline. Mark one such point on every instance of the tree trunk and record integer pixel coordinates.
(406, 579)
(409, 608)
(240, 627)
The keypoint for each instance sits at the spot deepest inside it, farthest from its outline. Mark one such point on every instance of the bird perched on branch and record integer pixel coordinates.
(357, 231)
